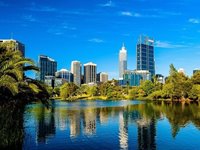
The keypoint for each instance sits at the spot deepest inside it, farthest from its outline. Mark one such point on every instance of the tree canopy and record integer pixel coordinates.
(14, 85)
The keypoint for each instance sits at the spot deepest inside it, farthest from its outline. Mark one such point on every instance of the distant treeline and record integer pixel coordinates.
(178, 86)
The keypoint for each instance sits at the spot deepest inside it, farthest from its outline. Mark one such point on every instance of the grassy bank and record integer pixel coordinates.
(104, 98)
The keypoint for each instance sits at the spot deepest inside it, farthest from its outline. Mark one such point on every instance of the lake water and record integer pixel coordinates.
(103, 125)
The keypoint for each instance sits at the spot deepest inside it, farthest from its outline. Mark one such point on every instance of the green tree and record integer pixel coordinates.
(16, 90)
(93, 91)
(157, 84)
(56, 91)
(178, 84)
(68, 90)
(133, 93)
(147, 86)
(83, 89)
(13, 83)
(172, 70)
(156, 95)
(194, 93)
(102, 89)
(167, 91)
(64, 91)
(196, 78)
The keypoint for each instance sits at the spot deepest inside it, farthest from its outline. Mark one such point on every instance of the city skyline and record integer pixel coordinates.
(94, 30)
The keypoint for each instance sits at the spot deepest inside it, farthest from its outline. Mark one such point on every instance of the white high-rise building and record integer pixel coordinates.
(76, 71)
(90, 72)
(122, 61)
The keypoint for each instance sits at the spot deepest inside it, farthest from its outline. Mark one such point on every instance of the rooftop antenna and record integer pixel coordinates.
(123, 45)
(11, 35)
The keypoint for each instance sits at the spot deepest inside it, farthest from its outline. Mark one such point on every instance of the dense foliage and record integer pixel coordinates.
(15, 87)
(107, 90)
(177, 86)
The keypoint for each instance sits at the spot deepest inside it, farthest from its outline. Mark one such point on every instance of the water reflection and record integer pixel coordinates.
(80, 126)
(146, 134)
(123, 130)
(75, 124)
(46, 124)
(89, 120)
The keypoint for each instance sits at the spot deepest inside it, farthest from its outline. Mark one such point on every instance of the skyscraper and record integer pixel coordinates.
(76, 71)
(15, 45)
(145, 54)
(122, 61)
(102, 77)
(47, 67)
(90, 71)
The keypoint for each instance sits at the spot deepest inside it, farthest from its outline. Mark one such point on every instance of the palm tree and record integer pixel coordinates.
(12, 78)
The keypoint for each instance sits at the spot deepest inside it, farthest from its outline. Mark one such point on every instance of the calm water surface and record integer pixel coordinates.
(112, 125)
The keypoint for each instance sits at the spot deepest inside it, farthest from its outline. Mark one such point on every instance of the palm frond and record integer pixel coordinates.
(8, 83)
(28, 68)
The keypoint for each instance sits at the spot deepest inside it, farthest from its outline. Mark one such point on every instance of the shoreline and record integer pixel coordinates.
(139, 99)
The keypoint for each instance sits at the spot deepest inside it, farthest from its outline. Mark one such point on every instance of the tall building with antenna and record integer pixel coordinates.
(122, 61)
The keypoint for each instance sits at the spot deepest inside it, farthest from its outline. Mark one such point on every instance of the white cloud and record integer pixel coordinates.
(75, 12)
(126, 13)
(108, 4)
(130, 14)
(65, 26)
(29, 18)
(165, 44)
(60, 29)
(137, 15)
(42, 9)
(96, 40)
(194, 20)
(171, 13)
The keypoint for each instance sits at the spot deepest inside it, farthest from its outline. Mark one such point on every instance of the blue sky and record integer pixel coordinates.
(94, 30)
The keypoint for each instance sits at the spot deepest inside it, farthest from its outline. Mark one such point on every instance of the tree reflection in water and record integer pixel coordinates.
(86, 121)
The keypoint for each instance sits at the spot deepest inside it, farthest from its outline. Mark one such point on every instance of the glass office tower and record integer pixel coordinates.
(47, 67)
(145, 54)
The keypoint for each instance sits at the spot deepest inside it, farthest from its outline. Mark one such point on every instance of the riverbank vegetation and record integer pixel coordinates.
(16, 90)
(177, 87)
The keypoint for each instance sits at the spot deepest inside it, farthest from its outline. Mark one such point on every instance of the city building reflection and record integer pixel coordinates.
(123, 130)
(146, 134)
(91, 122)
(75, 124)
(46, 125)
